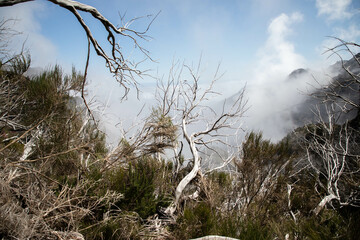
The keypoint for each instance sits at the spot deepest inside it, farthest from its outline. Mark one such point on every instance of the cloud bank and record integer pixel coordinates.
(271, 94)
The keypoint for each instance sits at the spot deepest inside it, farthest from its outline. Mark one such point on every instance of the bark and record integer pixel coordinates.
(323, 203)
(289, 190)
(191, 175)
(28, 147)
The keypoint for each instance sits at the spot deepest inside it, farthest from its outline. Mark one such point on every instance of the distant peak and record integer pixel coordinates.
(297, 73)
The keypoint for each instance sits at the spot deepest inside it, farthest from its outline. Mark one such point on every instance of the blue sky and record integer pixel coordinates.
(233, 32)
(258, 42)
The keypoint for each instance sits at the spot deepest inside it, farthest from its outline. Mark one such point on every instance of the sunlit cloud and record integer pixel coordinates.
(271, 95)
(278, 57)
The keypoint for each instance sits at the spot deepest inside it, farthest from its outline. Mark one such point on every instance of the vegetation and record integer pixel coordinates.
(58, 179)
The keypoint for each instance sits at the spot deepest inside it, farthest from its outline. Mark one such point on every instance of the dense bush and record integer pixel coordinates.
(140, 184)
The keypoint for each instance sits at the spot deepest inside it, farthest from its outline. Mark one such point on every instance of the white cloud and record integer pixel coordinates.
(278, 57)
(350, 34)
(271, 95)
(334, 9)
(42, 50)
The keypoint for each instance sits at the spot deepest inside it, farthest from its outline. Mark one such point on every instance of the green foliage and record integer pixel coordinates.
(116, 227)
(162, 125)
(44, 92)
(261, 177)
(303, 197)
(100, 148)
(52, 181)
(223, 179)
(197, 221)
(161, 130)
(20, 64)
(17, 148)
(229, 225)
(120, 198)
(351, 216)
(253, 230)
(200, 219)
(256, 148)
(140, 184)
(329, 225)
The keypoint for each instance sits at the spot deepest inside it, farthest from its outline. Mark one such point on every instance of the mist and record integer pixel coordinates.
(271, 92)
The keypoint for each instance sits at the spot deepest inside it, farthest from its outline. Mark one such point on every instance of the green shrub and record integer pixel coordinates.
(252, 230)
(114, 228)
(223, 179)
(200, 219)
(139, 183)
(229, 225)
(196, 221)
(329, 225)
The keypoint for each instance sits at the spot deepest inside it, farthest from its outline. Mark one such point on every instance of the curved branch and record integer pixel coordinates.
(123, 71)
(191, 175)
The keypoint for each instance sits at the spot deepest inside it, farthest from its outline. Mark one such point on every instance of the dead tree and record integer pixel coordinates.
(328, 152)
(343, 90)
(203, 128)
(333, 145)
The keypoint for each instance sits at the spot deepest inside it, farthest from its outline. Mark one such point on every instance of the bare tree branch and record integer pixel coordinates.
(187, 104)
(123, 70)
(333, 146)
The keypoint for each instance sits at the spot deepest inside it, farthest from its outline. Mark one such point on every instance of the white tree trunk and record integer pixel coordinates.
(323, 203)
(190, 176)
